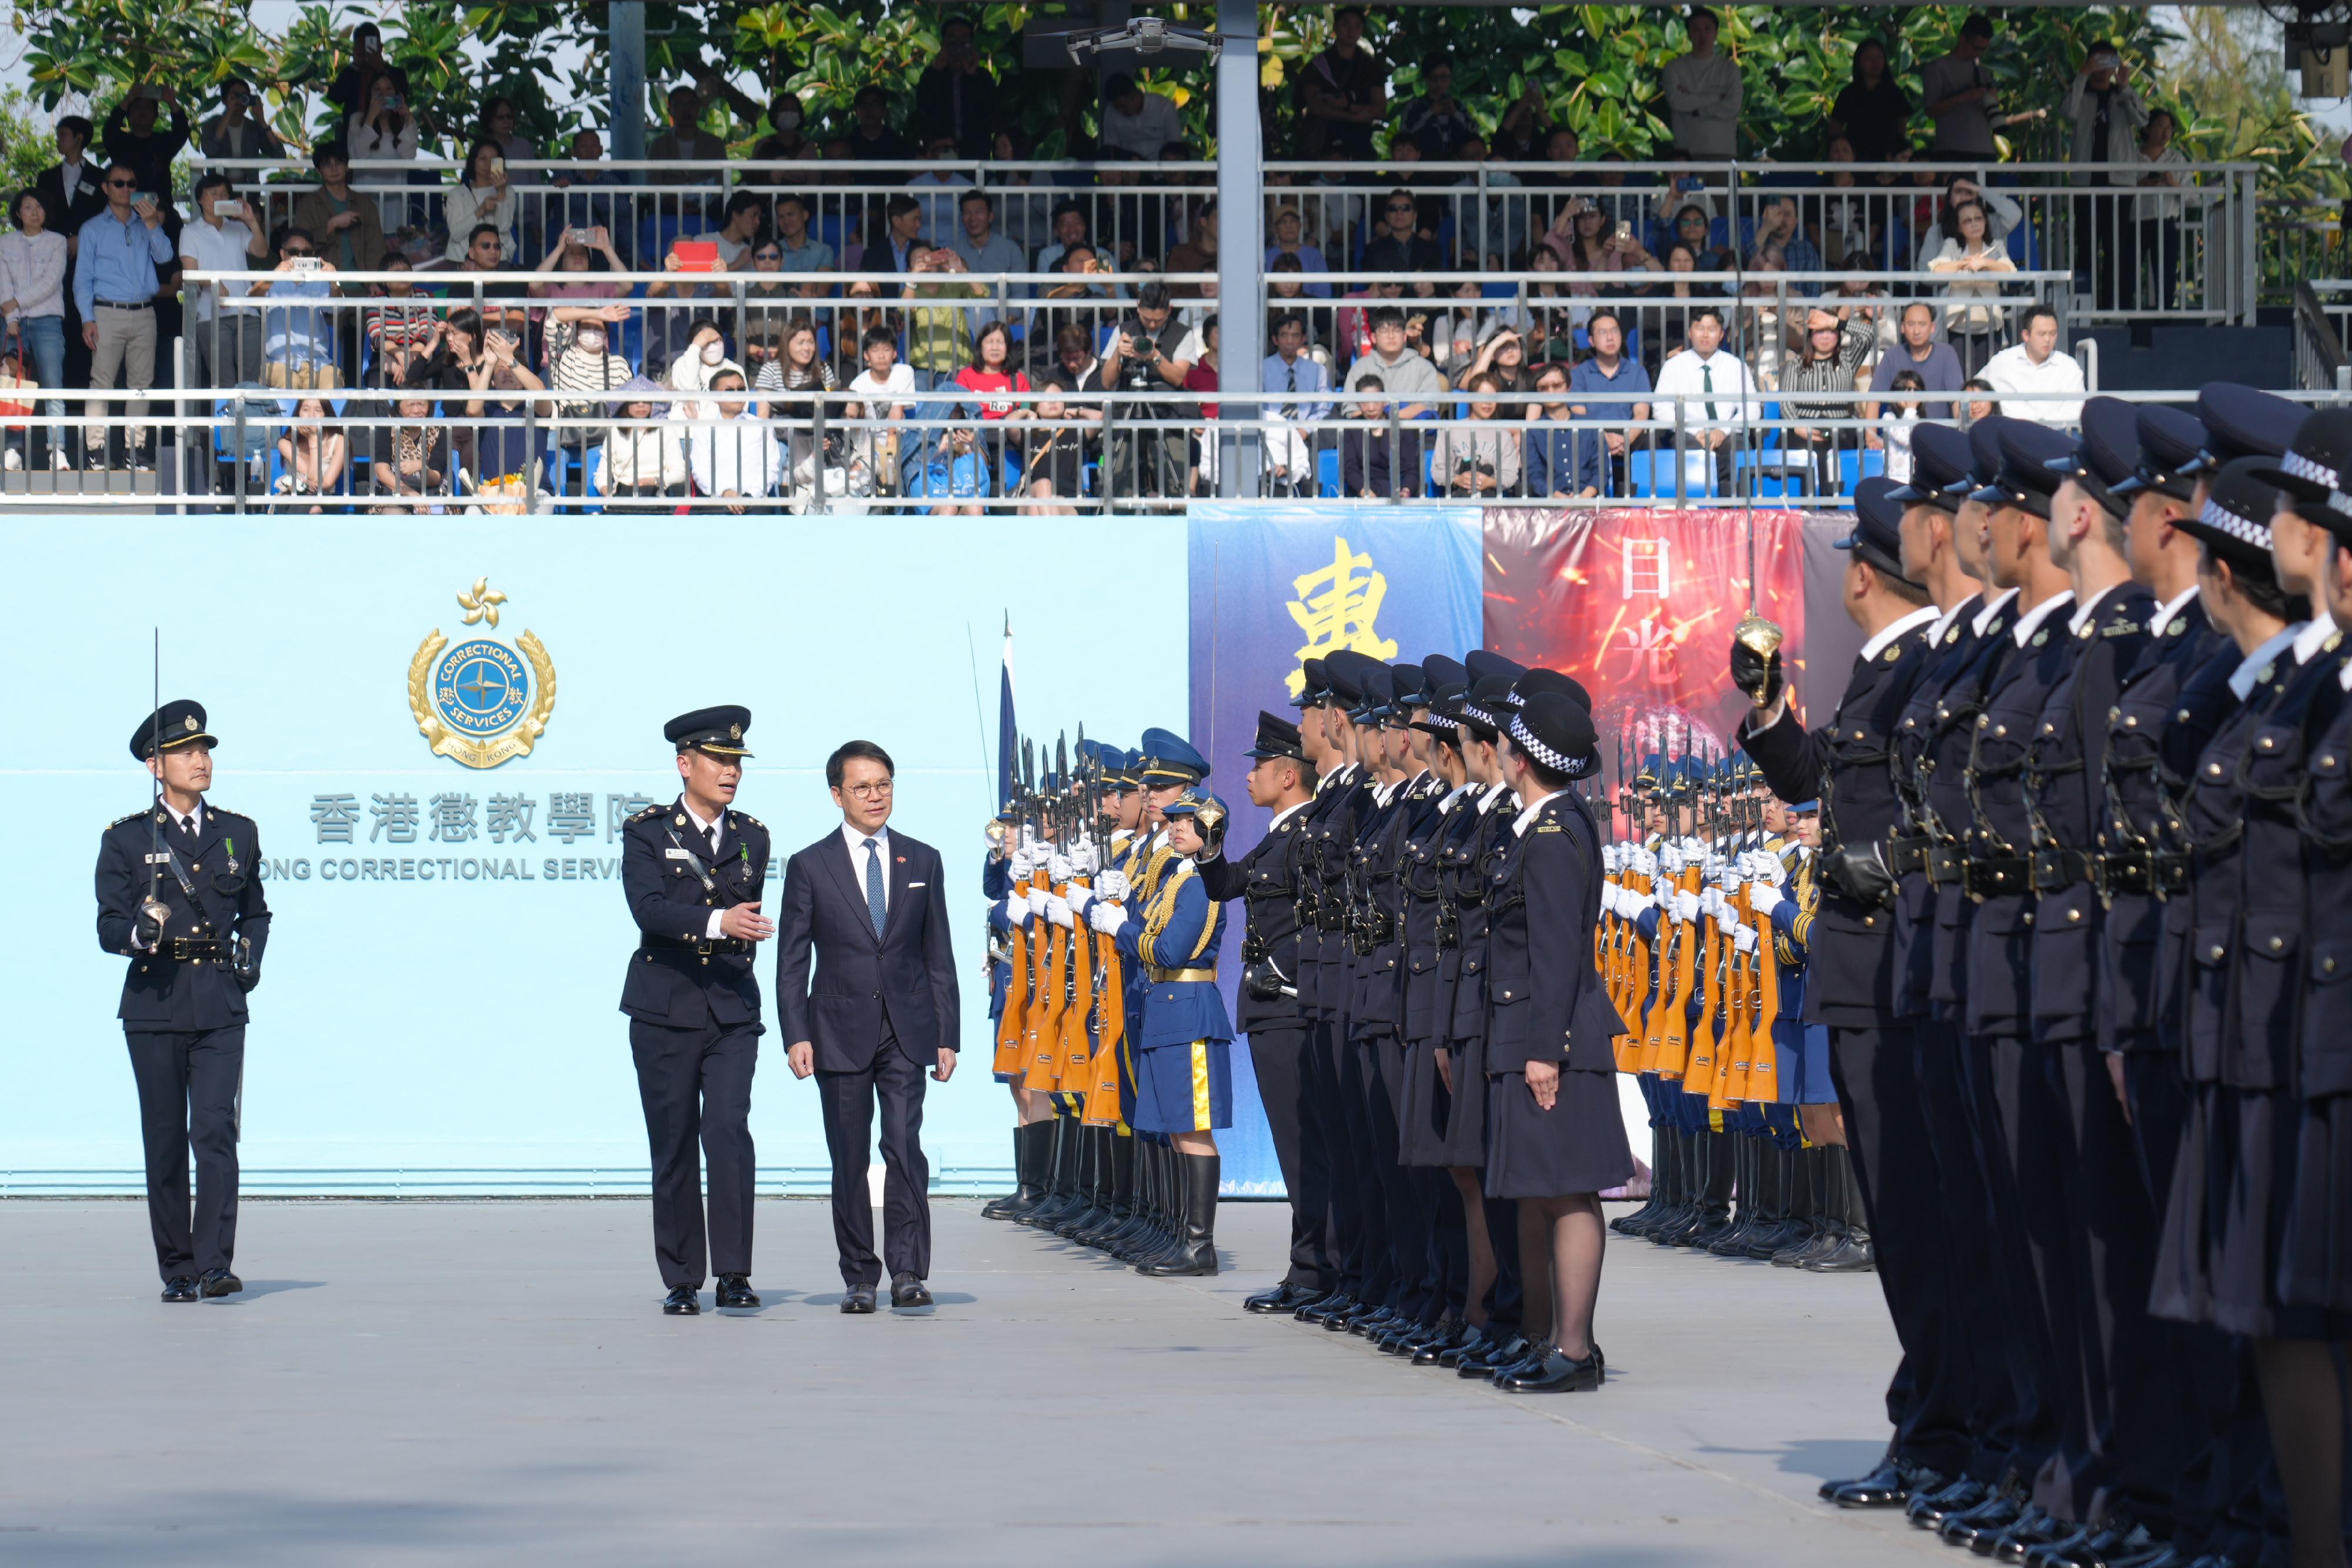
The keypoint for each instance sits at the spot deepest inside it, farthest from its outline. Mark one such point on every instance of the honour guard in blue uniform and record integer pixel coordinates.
(180, 899)
(692, 872)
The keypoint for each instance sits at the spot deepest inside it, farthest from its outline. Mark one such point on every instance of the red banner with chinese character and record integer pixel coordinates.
(1639, 605)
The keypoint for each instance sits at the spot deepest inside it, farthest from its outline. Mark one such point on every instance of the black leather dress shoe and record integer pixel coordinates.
(216, 1282)
(1329, 1306)
(179, 1288)
(1852, 1255)
(1426, 1352)
(735, 1291)
(1929, 1509)
(1283, 1298)
(857, 1299)
(2101, 1545)
(1500, 1353)
(1474, 1342)
(1988, 1519)
(683, 1301)
(906, 1291)
(1531, 1357)
(2034, 1528)
(1890, 1486)
(1887, 1477)
(1557, 1374)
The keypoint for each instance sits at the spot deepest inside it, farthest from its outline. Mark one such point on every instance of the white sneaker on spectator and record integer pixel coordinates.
(14, 461)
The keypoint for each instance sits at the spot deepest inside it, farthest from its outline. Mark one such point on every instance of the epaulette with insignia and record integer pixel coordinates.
(126, 816)
(647, 813)
(753, 820)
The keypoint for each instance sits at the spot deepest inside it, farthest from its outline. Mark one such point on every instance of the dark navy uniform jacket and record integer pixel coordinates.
(2324, 1056)
(1954, 729)
(1331, 822)
(1545, 999)
(1433, 951)
(1266, 879)
(1379, 857)
(1469, 866)
(161, 993)
(677, 978)
(1843, 764)
(1913, 762)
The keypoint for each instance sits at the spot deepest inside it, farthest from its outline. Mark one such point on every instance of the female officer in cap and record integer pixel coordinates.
(1183, 1064)
(1555, 1138)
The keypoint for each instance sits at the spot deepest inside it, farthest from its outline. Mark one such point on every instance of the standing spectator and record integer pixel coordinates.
(1480, 460)
(983, 248)
(1776, 229)
(1143, 356)
(115, 284)
(2157, 213)
(498, 127)
(226, 344)
(871, 136)
(132, 137)
(1958, 91)
(1398, 245)
(1434, 121)
(957, 99)
(383, 130)
(33, 278)
(684, 142)
(785, 144)
(583, 205)
(1703, 92)
(349, 91)
(2107, 116)
(1304, 388)
(1832, 361)
(1611, 386)
(1376, 463)
(238, 130)
(1289, 239)
(1896, 425)
(1520, 134)
(936, 188)
(348, 224)
(1974, 258)
(1138, 123)
(72, 189)
(1916, 350)
(1871, 111)
(479, 197)
(297, 345)
(1345, 93)
(1406, 376)
(1711, 393)
(2034, 364)
(1562, 462)
(642, 456)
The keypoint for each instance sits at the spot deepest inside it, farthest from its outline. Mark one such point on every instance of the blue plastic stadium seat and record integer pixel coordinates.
(1327, 473)
(1652, 474)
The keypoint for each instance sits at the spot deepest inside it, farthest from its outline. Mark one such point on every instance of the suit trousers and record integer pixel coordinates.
(191, 1086)
(1405, 1191)
(1975, 1303)
(1356, 1203)
(1876, 1071)
(696, 1085)
(847, 1099)
(1281, 1058)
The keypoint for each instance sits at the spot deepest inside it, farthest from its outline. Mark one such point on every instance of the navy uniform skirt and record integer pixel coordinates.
(1425, 1108)
(1577, 1146)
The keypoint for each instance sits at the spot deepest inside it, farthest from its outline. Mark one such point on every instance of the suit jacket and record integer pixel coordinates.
(223, 863)
(902, 983)
(677, 978)
(90, 200)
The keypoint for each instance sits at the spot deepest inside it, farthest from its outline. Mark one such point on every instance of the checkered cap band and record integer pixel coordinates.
(1478, 714)
(2303, 467)
(1544, 754)
(2221, 520)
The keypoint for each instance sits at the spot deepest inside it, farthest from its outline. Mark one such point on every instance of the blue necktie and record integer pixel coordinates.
(874, 904)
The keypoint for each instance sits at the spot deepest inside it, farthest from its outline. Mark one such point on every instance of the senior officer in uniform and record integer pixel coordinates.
(869, 907)
(178, 897)
(1851, 986)
(692, 872)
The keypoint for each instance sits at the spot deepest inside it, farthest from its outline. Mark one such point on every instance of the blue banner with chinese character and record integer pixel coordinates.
(1271, 588)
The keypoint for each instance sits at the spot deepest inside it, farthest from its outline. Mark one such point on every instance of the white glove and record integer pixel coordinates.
(1016, 908)
(1687, 907)
(1649, 864)
(1106, 918)
(1041, 852)
(1670, 858)
(1744, 939)
(1057, 870)
(1082, 858)
(1111, 885)
(1021, 865)
(1764, 898)
(1038, 897)
(1609, 858)
(1058, 909)
(1079, 895)
(1710, 899)
(1029, 839)
(1727, 920)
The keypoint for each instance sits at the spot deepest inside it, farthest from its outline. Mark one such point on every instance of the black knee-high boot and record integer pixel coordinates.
(1195, 1249)
(1032, 1146)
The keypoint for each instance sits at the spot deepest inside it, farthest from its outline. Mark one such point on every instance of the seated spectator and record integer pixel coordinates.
(479, 197)
(1434, 120)
(238, 130)
(570, 272)
(1586, 245)
(1285, 295)
(1054, 462)
(729, 453)
(297, 341)
(1562, 463)
(1503, 354)
(983, 248)
(1834, 360)
(768, 300)
(746, 220)
(645, 456)
(1397, 245)
(1198, 252)
(2034, 364)
(315, 455)
(349, 227)
(2001, 214)
(1974, 260)
(940, 331)
(1200, 351)
(1776, 229)
(382, 130)
(1977, 408)
(1611, 386)
(131, 138)
(1896, 426)
(1070, 228)
(883, 391)
(1137, 122)
(1072, 303)
(1862, 300)
(399, 327)
(1355, 320)
(797, 250)
(498, 127)
(586, 374)
(226, 342)
(1407, 378)
(785, 142)
(1076, 366)
(1304, 388)
(872, 138)
(763, 350)
(410, 459)
(1289, 231)
(1669, 324)
(1710, 393)
(959, 475)
(1479, 460)
(486, 256)
(799, 377)
(902, 238)
(1690, 226)
(1916, 350)
(1378, 463)
(474, 366)
(584, 205)
(991, 374)
(936, 190)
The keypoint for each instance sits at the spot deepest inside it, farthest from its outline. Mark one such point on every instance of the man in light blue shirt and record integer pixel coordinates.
(801, 251)
(1303, 389)
(116, 255)
(983, 248)
(1610, 385)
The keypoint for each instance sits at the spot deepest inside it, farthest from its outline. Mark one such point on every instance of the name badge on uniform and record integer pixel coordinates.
(164, 859)
(677, 855)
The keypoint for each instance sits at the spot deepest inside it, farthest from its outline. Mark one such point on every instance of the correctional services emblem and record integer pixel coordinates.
(481, 702)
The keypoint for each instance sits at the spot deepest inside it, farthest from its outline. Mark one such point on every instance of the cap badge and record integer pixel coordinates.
(734, 732)
(189, 723)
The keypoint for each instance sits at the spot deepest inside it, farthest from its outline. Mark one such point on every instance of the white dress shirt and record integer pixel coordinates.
(1688, 374)
(2013, 371)
(859, 854)
(1286, 813)
(2311, 639)
(2250, 668)
(1528, 813)
(193, 824)
(2086, 608)
(1993, 607)
(708, 832)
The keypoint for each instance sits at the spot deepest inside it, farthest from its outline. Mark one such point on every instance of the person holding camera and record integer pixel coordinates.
(299, 341)
(2108, 117)
(227, 237)
(179, 895)
(383, 128)
(1141, 358)
(238, 130)
(131, 136)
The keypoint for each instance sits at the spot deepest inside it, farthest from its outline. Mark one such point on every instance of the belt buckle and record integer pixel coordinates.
(1943, 864)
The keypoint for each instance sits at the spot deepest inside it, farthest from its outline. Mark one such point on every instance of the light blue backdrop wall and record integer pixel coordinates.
(462, 1035)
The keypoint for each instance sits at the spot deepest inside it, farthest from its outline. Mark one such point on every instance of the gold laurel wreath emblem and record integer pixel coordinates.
(516, 741)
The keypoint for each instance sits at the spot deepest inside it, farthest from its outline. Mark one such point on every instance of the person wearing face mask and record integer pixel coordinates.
(570, 272)
(704, 356)
(584, 376)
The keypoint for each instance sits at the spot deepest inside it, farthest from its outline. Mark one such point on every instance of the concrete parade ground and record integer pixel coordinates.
(461, 1383)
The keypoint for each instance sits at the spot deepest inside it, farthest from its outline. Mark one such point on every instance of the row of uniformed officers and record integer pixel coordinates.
(2086, 827)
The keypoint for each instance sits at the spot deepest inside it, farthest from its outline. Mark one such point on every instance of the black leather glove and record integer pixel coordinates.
(146, 931)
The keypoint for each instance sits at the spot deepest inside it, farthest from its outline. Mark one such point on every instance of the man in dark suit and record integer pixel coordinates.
(692, 871)
(72, 191)
(872, 904)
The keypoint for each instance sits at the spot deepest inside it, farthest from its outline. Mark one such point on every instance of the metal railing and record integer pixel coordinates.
(2323, 317)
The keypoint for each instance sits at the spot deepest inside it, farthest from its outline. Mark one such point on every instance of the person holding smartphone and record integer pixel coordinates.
(479, 197)
(131, 138)
(240, 131)
(227, 237)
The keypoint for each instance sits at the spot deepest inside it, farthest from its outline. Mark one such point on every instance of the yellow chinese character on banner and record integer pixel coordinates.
(1336, 608)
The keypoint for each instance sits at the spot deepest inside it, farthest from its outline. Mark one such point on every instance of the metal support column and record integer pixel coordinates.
(627, 78)
(1240, 246)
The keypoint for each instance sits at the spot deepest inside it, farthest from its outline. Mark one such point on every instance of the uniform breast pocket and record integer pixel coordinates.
(2325, 1065)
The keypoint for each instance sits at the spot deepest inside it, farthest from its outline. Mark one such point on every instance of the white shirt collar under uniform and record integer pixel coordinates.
(2250, 668)
(1533, 808)
(2031, 621)
(2166, 611)
(1888, 634)
(1993, 607)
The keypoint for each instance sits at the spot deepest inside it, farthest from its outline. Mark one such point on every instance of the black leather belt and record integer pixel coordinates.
(705, 950)
(195, 949)
(1905, 856)
(1945, 866)
(1995, 876)
(2055, 871)
(126, 304)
